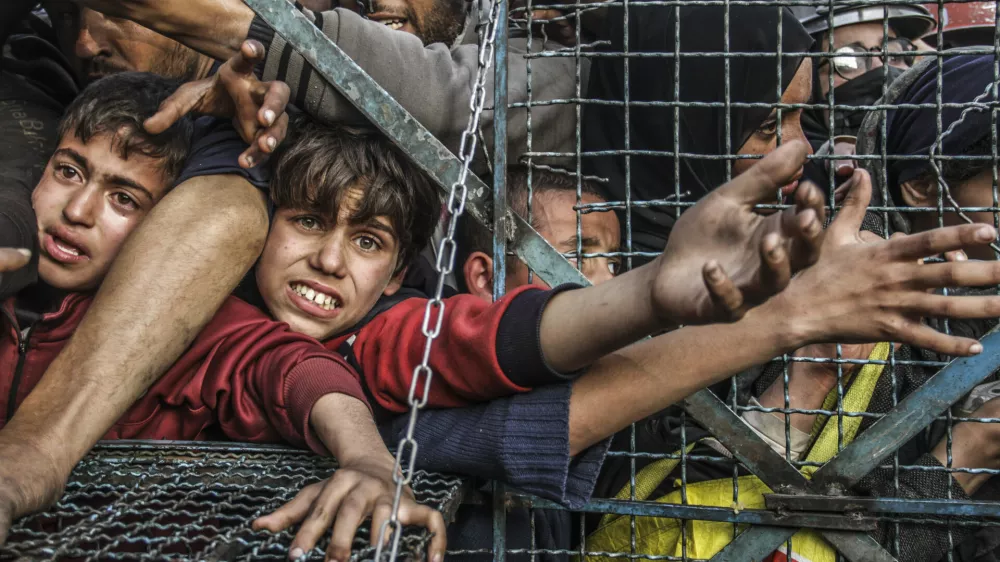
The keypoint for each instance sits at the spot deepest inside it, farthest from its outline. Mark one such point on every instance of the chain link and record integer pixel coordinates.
(434, 312)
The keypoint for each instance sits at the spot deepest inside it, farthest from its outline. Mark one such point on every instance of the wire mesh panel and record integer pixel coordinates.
(196, 501)
(863, 452)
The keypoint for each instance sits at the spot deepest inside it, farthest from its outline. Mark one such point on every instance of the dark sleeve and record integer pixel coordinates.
(29, 124)
(215, 150)
(519, 340)
(522, 440)
(918, 542)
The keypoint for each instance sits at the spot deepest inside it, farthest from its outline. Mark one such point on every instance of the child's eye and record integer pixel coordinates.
(308, 223)
(67, 172)
(125, 200)
(613, 266)
(367, 243)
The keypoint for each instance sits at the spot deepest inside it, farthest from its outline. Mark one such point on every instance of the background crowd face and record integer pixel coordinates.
(351, 264)
(554, 217)
(100, 45)
(765, 138)
(433, 21)
(87, 203)
(869, 35)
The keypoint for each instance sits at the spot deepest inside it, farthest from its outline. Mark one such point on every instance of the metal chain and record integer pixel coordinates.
(976, 105)
(434, 312)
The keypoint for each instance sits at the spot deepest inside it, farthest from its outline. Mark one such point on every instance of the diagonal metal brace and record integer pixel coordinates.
(744, 443)
(909, 417)
(341, 72)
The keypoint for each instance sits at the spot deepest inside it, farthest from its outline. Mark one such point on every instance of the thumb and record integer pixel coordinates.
(251, 52)
(760, 183)
(848, 220)
(13, 259)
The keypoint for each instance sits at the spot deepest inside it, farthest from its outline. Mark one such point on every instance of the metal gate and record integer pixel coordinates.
(822, 501)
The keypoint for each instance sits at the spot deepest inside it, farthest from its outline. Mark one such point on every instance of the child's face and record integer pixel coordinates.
(322, 278)
(87, 203)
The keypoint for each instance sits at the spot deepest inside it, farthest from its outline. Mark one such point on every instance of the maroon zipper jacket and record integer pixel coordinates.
(245, 377)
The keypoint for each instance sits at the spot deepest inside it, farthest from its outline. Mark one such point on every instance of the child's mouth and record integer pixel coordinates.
(314, 301)
(62, 251)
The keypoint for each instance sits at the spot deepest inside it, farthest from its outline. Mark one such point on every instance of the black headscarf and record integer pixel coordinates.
(702, 79)
(912, 131)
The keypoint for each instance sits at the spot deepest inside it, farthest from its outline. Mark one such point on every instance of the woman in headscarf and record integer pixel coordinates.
(703, 138)
(913, 131)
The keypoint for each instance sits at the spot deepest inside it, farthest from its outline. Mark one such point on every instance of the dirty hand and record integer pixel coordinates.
(30, 481)
(12, 259)
(256, 108)
(356, 491)
(722, 258)
(867, 289)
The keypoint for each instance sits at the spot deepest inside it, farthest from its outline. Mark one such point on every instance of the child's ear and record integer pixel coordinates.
(478, 272)
(395, 283)
(919, 193)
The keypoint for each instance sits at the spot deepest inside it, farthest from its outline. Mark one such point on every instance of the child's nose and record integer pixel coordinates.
(329, 259)
(81, 207)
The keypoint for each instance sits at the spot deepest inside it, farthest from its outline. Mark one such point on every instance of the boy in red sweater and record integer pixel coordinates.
(245, 376)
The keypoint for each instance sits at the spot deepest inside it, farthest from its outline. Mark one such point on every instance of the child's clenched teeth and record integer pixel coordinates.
(323, 300)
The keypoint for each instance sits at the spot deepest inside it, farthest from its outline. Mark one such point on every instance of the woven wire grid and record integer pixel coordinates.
(141, 500)
(904, 369)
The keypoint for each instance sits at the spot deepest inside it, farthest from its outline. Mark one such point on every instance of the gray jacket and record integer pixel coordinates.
(434, 83)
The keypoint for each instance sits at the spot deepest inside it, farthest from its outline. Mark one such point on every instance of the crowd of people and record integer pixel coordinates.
(201, 238)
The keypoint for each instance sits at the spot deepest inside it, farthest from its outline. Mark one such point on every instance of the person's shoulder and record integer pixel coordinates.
(215, 150)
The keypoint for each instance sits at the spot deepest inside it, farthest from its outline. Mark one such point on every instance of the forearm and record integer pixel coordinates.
(648, 376)
(345, 426)
(170, 278)
(579, 327)
(215, 28)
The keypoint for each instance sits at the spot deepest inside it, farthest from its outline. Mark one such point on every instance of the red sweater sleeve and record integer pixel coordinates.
(259, 378)
(484, 350)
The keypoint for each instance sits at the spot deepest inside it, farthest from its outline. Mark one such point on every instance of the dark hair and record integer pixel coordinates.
(118, 105)
(319, 164)
(472, 237)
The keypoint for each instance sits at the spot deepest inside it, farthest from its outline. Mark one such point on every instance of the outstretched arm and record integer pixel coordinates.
(859, 290)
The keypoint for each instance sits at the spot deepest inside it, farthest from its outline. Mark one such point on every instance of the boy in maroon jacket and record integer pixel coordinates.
(245, 376)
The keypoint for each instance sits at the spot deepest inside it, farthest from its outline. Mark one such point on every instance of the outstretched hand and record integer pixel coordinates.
(256, 108)
(867, 289)
(354, 493)
(723, 258)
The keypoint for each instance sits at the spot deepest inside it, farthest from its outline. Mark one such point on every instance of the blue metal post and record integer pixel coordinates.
(500, 219)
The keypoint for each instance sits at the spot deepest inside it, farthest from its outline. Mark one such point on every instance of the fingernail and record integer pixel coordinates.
(985, 234)
(272, 142)
(960, 256)
(24, 252)
(268, 117)
(296, 553)
(976, 348)
(250, 161)
(438, 558)
(715, 273)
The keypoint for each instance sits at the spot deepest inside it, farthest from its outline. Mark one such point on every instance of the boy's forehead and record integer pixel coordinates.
(104, 160)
